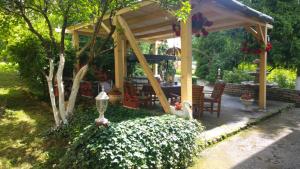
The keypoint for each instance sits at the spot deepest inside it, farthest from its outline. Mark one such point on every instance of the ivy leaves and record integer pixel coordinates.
(152, 142)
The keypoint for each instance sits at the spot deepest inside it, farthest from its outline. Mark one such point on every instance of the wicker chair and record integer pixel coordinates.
(198, 100)
(132, 98)
(215, 97)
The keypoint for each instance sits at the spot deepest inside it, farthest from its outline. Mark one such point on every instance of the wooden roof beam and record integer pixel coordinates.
(252, 31)
(159, 37)
(226, 27)
(146, 17)
(155, 34)
(152, 27)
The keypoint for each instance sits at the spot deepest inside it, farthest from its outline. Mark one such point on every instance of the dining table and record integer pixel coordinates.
(170, 90)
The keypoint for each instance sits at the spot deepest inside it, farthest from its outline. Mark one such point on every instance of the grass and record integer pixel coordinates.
(22, 124)
(25, 140)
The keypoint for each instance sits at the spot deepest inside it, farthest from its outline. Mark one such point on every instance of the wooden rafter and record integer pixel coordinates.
(224, 26)
(152, 27)
(145, 18)
(160, 33)
(140, 56)
(261, 34)
(159, 37)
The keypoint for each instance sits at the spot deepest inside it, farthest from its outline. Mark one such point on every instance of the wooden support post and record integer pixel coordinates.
(263, 71)
(75, 40)
(155, 53)
(119, 60)
(186, 61)
(75, 43)
(140, 56)
(124, 56)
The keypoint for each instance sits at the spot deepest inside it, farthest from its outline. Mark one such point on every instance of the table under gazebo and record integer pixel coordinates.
(152, 23)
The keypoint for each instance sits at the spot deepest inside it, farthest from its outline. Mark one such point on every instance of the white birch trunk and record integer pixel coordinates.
(60, 86)
(51, 93)
(75, 87)
(298, 83)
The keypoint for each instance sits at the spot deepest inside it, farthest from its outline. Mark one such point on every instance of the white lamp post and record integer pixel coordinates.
(101, 104)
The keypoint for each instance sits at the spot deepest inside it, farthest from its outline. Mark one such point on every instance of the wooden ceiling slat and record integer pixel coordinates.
(146, 17)
(155, 34)
(151, 27)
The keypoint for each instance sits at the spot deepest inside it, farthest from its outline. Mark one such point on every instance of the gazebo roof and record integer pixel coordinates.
(151, 22)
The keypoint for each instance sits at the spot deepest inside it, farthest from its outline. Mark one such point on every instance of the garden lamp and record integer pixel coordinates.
(219, 74)
(101, 104)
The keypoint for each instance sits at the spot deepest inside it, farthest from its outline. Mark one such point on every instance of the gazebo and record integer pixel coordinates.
(150, 22)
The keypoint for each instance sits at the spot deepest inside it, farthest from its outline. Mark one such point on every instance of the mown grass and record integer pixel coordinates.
(22, 124)
(25, 140)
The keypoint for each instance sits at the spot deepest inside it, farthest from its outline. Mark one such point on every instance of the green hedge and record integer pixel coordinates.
(151, 142)
(285, 78)
(85, 116)
(237, 76)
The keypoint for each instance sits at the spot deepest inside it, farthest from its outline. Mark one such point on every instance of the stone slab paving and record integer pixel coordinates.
(272, 144)
(235, 117)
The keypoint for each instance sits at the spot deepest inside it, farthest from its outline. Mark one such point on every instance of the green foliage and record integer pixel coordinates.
(283, 77)
(85, 116)
(285, 36)
(32, 62)
(237, 76)
(162, 48)
(8, 67)
(152, 142)
(217, 50)
(248, 67)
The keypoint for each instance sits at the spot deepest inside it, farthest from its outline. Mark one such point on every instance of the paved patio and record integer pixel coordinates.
(271, 144)
(234, 117)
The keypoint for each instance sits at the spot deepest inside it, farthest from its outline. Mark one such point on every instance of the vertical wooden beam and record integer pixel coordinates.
(119, 60)
(75, 43)
(140, 56)
(75, 40)
(263, 70)
(156, 46)
(124, 57)
(186, 61)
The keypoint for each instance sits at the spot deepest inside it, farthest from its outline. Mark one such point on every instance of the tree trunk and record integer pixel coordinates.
(51, 93)
(60, 86)
(298, 79)
(75, 87)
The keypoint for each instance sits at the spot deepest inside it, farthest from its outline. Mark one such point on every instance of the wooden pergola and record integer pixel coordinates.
(152, 23)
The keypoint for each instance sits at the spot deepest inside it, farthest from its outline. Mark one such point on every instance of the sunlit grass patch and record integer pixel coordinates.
(23, 124)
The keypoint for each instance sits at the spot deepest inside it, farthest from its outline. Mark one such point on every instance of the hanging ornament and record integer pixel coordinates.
(199, 22)
(269, 47)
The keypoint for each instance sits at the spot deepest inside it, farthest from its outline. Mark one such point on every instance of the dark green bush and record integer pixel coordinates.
(237, 76)
(33, 63)
(86, 116)
(151, 142)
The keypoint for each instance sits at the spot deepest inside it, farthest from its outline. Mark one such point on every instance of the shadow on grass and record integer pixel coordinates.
(22, 127)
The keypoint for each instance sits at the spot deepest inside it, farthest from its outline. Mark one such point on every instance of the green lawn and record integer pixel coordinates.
(22, 125)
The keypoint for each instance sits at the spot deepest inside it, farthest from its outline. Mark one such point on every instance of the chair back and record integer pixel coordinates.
(218, 91)
(129, 89)
(197, 94)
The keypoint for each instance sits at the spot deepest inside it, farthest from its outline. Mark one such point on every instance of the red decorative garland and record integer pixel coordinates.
(199, 22)
(258, 50)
